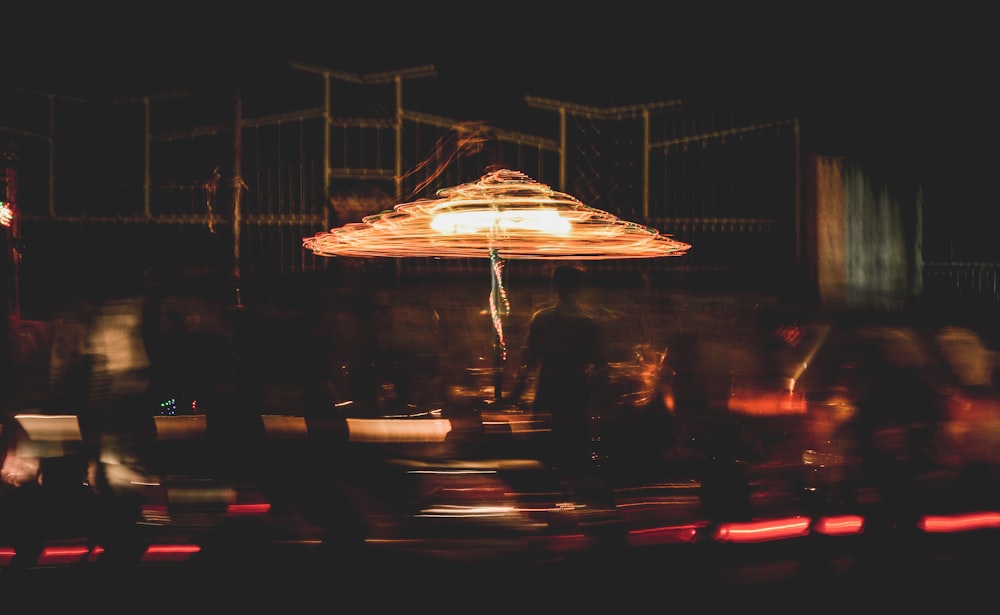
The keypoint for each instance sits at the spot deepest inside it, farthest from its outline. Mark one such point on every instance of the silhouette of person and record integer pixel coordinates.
(565, 349)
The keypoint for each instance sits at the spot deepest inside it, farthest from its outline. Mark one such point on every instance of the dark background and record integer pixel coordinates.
(910, 89)
(837, 64)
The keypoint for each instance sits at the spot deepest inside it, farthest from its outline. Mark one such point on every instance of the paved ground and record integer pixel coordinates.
(895, 576)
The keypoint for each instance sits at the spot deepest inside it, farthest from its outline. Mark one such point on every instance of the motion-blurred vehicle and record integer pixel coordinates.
(198, 491)
(866, 431)
(470, 481)
(56, 507)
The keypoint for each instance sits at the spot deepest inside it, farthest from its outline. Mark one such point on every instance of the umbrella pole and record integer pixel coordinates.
(499, 308)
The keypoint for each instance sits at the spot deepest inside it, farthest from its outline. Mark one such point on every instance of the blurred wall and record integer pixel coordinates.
(867, 237)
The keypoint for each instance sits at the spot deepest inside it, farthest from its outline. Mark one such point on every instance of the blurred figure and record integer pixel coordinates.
(565, 350)
(900, 410)
(970, 435)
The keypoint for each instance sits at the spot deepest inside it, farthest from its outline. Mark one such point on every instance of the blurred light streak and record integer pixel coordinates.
(62, 554)
(804, 364)
(6, 214)
(155, 514)
(766, 403)
(180, 426)
(466, 139)
(668, 534)
(398, 430)
(516, 422)
(840, 525)
(259, 508)
(811, 457)
(51, 427)
(169, 552)
(283, 426)
(119, 475)
(762, 531)
(468, 511)
(661, 501)
(560, 507)
(499, 304)
(198, 494)
(959, 522)
(454, 471)
(483, 466)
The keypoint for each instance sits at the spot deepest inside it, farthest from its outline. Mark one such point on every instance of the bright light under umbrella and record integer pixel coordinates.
(541, 220)
(503, 215)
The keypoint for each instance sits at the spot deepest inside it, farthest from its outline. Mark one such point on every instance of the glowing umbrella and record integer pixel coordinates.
(503, 215)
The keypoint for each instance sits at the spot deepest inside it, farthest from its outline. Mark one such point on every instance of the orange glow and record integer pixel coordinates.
(398, 430)
(505, 213)
(767, 403)
(840, 525)
(762, 531)
(6, 214)
(960, 522)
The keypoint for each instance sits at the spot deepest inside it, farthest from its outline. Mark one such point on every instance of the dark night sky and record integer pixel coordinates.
(915, 87)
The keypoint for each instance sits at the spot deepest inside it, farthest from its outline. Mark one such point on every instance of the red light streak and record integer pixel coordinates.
(669, 534)
(169, 552)
(62, 554)
(762, 531)
(960, 522)
(840, 525)
(249, 509)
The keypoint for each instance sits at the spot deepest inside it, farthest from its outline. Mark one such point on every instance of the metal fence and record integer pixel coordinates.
(236, 186)
(963, 282)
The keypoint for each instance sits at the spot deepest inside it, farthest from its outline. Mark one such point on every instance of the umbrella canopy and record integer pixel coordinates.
(506, 215)
(503, 215)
